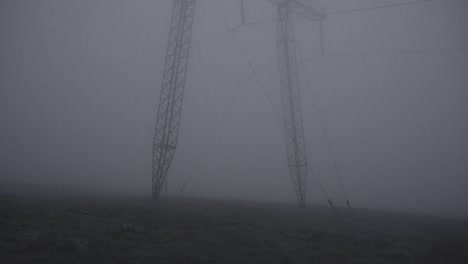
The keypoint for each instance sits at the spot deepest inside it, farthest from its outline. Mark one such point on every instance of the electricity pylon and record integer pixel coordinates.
(172, 91)
(173, 84)
(290, 90)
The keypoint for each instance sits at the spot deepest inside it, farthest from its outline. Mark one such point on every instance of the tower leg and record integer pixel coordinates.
(291, 102)
(172, 91)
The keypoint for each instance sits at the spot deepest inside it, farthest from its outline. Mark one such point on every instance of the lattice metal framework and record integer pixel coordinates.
(172, 91)
(290, 92)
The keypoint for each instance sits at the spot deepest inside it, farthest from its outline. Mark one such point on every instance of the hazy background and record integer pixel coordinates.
(79, 93)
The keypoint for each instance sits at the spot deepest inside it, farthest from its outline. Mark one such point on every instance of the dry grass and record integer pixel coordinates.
(134, 230)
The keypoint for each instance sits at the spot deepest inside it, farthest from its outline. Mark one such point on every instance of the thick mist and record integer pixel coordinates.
(79, 93)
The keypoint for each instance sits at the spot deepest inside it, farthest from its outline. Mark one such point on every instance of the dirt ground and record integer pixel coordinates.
(139, 230)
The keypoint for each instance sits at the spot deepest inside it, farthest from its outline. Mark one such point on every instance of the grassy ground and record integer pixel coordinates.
(138, 230)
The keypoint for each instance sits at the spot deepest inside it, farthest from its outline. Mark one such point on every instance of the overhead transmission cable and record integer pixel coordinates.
(325, 133)
(383, 53)
(207, 144)
(240, 28)
(223, 116)
(64, 22)
(329, 201)
(378, 7)
(244, 54)
(317, 109)
(73, 16)
(341, 12)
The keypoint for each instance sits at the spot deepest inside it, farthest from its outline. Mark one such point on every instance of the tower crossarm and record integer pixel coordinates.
(302, 8)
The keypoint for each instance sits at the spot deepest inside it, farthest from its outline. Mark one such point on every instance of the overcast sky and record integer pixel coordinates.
(79, 93)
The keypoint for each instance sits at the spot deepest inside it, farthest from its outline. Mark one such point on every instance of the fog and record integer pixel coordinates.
(80, 83)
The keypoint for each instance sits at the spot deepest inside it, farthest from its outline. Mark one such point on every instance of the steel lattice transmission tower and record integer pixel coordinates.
(172, 91)
(290, 90)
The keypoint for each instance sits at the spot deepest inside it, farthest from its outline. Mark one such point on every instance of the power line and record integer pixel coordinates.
(205, 148)
(223, 116)
(327, 137)
(63, 23)
(73, 16)
(240, 28)
(377, 7)
(329, 201)
(348, 11)
(246, 59)
(383, 53)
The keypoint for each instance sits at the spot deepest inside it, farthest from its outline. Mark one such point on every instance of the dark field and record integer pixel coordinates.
(137, 230)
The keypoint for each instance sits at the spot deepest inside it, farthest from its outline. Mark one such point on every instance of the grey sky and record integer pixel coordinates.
(78, 102)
